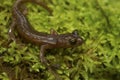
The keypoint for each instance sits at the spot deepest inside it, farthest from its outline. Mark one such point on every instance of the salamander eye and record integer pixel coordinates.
(73, 41)
(75, 32)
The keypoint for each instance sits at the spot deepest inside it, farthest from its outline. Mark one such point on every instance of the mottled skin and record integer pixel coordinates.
(46, 41)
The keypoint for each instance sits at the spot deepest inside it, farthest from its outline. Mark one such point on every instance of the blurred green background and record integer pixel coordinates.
(98, 58)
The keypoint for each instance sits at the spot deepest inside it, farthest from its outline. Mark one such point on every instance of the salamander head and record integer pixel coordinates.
(75, 40)
(70, 40)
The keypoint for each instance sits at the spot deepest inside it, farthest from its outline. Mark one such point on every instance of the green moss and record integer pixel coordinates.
(98, 22)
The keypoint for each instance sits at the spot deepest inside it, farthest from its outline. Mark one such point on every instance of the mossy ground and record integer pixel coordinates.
(98, 58)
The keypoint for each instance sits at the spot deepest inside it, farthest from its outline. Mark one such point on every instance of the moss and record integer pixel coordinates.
(98, 23)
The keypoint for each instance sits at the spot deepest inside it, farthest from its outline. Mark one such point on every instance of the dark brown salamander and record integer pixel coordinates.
(46, 41)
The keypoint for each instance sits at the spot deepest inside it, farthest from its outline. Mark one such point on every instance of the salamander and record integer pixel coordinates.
(45, 40)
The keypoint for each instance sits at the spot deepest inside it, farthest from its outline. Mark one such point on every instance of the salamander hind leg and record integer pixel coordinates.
(11, 36)
(11, 33)
(24, 10)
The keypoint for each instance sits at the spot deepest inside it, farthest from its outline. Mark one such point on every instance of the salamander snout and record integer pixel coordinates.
(69, 40)
(79, 40)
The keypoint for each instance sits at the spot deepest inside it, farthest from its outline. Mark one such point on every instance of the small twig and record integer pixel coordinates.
(103, 13)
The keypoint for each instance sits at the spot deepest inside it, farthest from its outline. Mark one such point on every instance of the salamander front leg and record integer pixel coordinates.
(44, 61)
(53, 32)
(42, 52)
